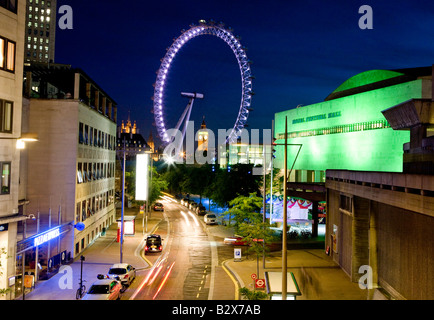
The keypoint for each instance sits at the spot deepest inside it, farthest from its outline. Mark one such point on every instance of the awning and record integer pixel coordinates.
(273, 282)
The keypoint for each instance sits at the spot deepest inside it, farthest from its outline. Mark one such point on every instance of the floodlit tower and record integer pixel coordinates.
(202, 144)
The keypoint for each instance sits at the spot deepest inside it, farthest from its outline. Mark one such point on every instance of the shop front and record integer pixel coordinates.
(39, 257)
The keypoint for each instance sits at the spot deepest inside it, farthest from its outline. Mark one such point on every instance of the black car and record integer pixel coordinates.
(158, 206)
(153, 244)
(201, 210)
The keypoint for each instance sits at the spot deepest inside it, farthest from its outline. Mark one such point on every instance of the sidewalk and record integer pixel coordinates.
(317, 275)
(99, 257)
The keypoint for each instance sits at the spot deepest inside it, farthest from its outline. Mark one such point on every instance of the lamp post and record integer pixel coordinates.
(285, 209)
(285, 206)
(123, 205)
(149, 152)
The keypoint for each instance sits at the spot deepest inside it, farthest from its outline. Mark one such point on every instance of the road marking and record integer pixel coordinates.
(233, 280)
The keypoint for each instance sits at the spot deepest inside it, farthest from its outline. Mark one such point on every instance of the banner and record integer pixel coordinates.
(297, 209)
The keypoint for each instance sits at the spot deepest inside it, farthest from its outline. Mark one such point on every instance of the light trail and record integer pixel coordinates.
(194, 218)
(150, 273)
(164, 280)
(186, 218)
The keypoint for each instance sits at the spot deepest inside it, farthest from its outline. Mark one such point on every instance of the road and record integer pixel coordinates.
(184, 269)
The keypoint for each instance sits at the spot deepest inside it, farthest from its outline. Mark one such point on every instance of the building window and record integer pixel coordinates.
(6, 113)
(7, 54)
(10, 5)
(86, 134)
(6, 177)
(80, 133)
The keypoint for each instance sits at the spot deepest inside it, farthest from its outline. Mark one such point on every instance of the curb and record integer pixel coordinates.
(234, 277)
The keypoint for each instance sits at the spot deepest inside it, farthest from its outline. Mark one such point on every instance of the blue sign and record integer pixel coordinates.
(80, 226)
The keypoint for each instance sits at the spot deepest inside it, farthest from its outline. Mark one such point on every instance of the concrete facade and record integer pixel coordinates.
(69, 173)
(387, 226)
(57, 159)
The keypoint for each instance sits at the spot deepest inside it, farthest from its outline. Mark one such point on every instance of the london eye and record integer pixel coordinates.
(226, 34)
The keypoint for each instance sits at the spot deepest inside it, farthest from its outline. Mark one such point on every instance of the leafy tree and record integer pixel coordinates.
(248, 223)
(253, 294)
(158, 184)
(244, 210)
(230, 183)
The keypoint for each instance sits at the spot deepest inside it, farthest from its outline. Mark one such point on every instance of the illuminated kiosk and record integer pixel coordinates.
(129, 226)
(273, 282)
(347, 131)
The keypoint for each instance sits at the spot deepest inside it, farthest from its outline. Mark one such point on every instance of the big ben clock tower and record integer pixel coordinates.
(202, 144)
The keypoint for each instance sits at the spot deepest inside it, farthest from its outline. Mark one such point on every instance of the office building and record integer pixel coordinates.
(40, 35)
(70, 171)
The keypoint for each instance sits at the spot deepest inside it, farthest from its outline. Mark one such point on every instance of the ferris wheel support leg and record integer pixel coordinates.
(189, 107)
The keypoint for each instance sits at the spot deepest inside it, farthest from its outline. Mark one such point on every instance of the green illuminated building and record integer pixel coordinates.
(348, 130)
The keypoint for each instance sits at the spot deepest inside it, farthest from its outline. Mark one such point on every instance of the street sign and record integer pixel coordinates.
(253, 276)
(260, 284)
(237, 254)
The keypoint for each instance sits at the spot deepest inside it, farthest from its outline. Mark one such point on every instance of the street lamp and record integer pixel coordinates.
(123, 204)
(285, 207)
(26, 137)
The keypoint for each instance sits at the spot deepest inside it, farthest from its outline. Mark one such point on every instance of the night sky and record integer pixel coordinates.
(301, 52)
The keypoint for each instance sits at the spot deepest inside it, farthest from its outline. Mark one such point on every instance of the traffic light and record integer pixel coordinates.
(273, 150)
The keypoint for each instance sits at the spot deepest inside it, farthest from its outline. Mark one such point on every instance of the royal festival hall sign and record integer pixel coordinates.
(317, 117)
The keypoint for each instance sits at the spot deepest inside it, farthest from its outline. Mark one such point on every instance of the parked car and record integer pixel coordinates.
(210, 218)
(158, 206)
(154, 243)
(125, 272)
(104, 289)
(193, 206)
(184, 201)
(200, 210)
(187, 202)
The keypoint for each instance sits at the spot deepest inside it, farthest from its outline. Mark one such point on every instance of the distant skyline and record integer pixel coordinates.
(301, 52)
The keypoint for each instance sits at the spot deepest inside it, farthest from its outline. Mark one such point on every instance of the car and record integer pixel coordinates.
(158, 206)
(104, 289)
(189, 202)
(210, 218)
(193, 206)
(186, 202)
(200, 210)
(154, 243)
(125, 272)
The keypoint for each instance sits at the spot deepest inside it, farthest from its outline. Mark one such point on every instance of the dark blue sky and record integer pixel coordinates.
(301, 52)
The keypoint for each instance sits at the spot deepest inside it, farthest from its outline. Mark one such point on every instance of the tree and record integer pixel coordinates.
(244, 210)
(253, 294)
(248, 223)
(157, 185)
(233, 182)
